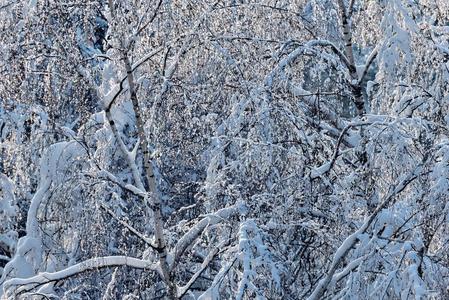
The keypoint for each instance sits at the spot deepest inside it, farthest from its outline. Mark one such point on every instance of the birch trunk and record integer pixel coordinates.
(155, 200)
(347, 37)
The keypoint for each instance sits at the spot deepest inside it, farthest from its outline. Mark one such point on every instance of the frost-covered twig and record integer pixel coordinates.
(325, 112)
(145, 58)
(170, 71)
(129, 227)
(140, 27)
(108, 294)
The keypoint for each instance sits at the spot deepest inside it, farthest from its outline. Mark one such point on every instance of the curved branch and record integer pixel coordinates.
(327, 167)
(368, 63)
(189, 237)
(23, 284)
(289, 59)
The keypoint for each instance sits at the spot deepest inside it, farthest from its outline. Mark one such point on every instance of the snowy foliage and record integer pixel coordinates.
(175, 149)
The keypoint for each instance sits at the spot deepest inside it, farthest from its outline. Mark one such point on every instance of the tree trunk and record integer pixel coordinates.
(155, 200)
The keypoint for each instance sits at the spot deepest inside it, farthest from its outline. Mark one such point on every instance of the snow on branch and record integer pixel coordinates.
(290, 58)
(126, 186)
(190, 236)
(129, 156)
(171, 69)
(28, 256)
(184, 289)
(213, 291)
(254, 254)
(351, 240)
(20, 285)
(368, 63)
(326, 167)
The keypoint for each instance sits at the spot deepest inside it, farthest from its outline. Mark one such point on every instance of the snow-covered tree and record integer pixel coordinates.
(224, 150)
